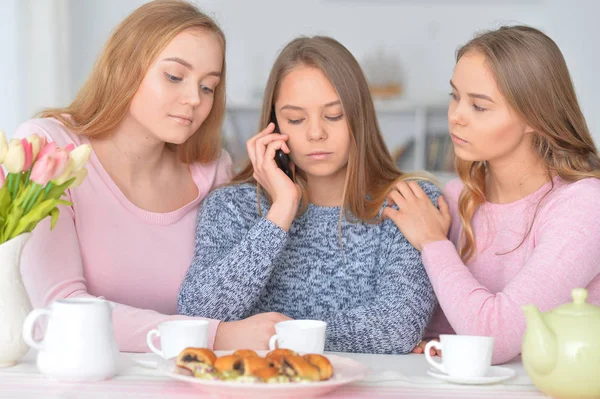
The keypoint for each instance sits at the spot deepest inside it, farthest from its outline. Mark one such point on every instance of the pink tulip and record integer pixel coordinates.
(28, 148)
(61, 158)
(43, 170)
(43, 142)
(69, 147)
(50, 147)
(50, 166)
(2, 177)
(37, 143)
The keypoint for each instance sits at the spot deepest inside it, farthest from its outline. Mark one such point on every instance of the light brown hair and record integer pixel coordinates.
(531, 73)
(104, 100)
(371, 170)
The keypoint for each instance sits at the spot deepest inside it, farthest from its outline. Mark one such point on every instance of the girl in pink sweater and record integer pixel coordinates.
(152, 111)
(525, 213)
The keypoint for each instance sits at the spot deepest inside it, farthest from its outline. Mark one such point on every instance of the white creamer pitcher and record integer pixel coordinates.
(79, 343)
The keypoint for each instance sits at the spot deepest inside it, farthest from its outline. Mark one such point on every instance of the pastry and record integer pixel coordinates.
(322, 364)
(196, 358)
(266, 373)
(252, 364)
(281, 352)
(245, 353)
(228, 363)
(276, 361)
(297, 366)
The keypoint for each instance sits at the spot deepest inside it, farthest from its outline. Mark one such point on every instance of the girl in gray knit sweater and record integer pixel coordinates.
(315, 246)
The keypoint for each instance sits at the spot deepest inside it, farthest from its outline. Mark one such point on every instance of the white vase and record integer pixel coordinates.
(14, 301)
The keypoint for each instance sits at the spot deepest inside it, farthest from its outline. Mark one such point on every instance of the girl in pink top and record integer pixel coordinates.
(152, 110)
(525, 214)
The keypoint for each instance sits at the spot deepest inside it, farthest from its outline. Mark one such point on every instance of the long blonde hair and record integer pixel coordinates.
(371, 170)
(104, 100)
(532, 75)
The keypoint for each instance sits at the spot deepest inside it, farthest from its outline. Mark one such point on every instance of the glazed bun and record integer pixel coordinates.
(245, 353)
(322, 364)
(251, 364)
(228, 363)
(266, 373)
(297, 366)
(281, 352)
(191, 358)
(275, 361)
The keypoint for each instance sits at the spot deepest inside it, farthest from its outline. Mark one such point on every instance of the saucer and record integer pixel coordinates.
(494, 374)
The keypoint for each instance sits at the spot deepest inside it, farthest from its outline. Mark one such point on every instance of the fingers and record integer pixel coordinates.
(270, 128)
(420, 348)
(282, 317)
(416, 189)
(444, 209)
(264, 141)
(396, 198)
(435, 352)
(269, 154)
(250, 144)
(404, 189)
(262, 145)
(276, 317)
(266, 131)
(390, 213)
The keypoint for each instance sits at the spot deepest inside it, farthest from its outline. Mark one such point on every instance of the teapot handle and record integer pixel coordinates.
(28, 328)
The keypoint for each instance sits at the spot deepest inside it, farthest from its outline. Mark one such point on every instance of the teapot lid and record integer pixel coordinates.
(579, 306)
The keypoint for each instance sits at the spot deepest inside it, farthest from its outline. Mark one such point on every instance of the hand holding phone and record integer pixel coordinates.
(284, 192)
(281, 158)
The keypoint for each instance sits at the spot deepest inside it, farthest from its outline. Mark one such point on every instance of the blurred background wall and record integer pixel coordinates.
(47, 48)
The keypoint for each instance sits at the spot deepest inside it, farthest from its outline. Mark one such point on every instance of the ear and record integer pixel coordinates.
(529, 130)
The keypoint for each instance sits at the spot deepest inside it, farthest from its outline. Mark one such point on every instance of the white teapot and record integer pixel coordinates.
(79, 344)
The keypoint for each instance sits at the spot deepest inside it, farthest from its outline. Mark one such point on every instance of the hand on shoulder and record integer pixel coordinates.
(417, 217)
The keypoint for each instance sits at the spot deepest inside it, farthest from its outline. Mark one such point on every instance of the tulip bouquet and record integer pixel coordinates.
(33, 180)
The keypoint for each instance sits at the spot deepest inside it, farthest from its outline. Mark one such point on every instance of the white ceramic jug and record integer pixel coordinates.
(14, 301)
(79, 344)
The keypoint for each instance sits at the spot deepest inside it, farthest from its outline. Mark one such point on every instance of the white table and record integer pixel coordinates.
(391, 377)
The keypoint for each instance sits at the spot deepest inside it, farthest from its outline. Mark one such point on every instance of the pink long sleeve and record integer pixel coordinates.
(104, 245)
(561, 252)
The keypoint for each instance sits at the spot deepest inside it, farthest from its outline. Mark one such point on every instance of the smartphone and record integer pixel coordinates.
(281, 158)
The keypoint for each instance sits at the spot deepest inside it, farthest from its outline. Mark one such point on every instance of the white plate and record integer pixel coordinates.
(494, 375)
(345, 371)
(149, 360)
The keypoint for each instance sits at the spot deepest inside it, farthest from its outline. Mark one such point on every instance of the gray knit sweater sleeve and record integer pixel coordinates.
(233, 257)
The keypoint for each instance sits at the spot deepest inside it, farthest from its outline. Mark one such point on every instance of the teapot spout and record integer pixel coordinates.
(539, 343)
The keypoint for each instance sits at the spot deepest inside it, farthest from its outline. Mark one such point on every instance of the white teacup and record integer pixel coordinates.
(177, 335)
(463, 356)
(306, 336)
